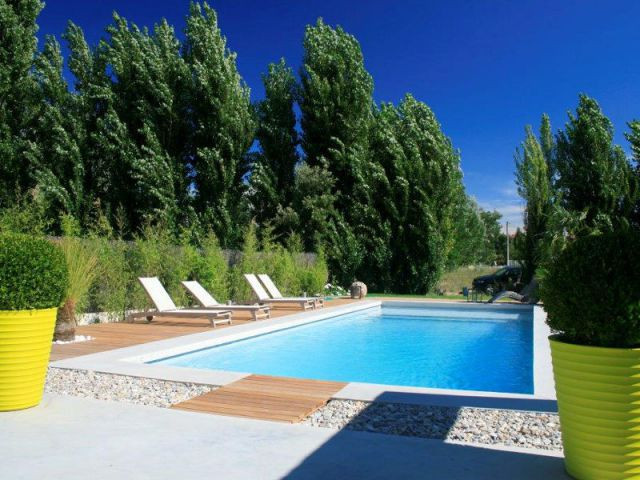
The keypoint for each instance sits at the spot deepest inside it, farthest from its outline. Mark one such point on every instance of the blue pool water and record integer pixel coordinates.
(468, 349)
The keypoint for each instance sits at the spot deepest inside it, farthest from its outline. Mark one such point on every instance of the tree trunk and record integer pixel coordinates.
(66, 322)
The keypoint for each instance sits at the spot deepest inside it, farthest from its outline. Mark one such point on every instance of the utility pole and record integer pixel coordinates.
(507, 244)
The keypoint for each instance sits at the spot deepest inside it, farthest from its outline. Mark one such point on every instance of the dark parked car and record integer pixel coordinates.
(506, 278)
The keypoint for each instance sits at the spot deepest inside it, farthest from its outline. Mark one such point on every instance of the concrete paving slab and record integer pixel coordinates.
(75, 438)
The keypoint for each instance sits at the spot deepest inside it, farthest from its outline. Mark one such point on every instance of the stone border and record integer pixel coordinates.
(131, 361)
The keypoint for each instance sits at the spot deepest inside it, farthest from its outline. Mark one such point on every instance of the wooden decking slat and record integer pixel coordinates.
(109, 336)
(266, 398)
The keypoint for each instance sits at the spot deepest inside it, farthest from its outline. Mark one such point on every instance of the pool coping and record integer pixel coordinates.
(129, 361)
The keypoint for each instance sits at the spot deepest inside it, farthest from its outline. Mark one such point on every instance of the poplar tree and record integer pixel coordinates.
(56, 153)
(432, 173)
(272, 178)
(222, 127)
(594, 178)
(335, 101)
(633, 136)
(534, 186)
(18, 94)
(547, 144)
(417, 199)
(148, 74)
(107, 149)
(336, 106)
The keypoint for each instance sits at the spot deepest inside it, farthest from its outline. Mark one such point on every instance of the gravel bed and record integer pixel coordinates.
(472, 425)
(105, 386)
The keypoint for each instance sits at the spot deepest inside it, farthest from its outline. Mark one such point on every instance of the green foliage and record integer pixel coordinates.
(590, 291)
(153, 140)
(33, 275)
(469, 234)
(56, 154)
(336, 106)
(221, 113)
(249, 262)
(27, 215)
(594, 178)
(534, 186)
(418, 185)
(82, 264)
(633, 136)
(210, 267)
(272, 178)
(154, 253)
(335, 101)
(18, 94)
(312, 276)
(495, 240)
(111, 290)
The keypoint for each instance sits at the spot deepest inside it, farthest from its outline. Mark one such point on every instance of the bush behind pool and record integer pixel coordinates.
(591, 292)
(33, 273)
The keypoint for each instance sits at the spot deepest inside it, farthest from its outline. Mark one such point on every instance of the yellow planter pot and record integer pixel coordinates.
(25, 346)
(598, 392)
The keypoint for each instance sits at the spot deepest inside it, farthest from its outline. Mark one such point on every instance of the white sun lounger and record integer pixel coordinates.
(166, 308)
(205, 299)
(263, 296)
(273, 291)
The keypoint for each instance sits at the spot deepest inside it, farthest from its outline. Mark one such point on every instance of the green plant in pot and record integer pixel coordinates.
(33, 282)
(591, 293)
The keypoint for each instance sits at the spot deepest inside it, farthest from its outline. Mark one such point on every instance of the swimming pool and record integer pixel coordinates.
(481, 349)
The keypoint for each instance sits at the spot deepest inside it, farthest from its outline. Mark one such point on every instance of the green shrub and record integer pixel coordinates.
(155, 254)
(251, 261)
(591, 291)
(313, 274)
(210, 267)
(33, 273)
(111, 291)
(281, 265)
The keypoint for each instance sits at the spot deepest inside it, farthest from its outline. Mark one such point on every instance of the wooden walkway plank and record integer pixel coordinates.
(266, 398)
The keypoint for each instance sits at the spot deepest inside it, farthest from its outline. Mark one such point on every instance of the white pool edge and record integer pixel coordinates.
(131, 361)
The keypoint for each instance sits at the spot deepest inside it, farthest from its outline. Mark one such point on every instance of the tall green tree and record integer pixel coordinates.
(547, 143)
(469, 232)
(18, 95)
(432, 170)
(415, 194)
(495, 240)
(594, 178)
(335, 102)
(107, 148)
(56, 153)
(336, 106)
(633, 136)
(534, 186)
(221, 126)
(148, 77)
(272, 179)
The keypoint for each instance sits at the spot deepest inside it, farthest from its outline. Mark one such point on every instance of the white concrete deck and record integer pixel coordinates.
(73, 438)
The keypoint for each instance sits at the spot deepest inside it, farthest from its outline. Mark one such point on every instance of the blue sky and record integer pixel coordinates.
(486, 68)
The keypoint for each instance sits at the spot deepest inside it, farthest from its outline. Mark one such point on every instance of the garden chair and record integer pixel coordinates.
(204, 298)
(166, 308)
(273, 291)
(263, 296)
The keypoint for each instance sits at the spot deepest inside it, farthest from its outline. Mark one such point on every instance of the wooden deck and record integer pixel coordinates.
(109, 336)
(265, 398)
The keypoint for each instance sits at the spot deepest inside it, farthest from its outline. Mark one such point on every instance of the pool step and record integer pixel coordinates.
(265, 397)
